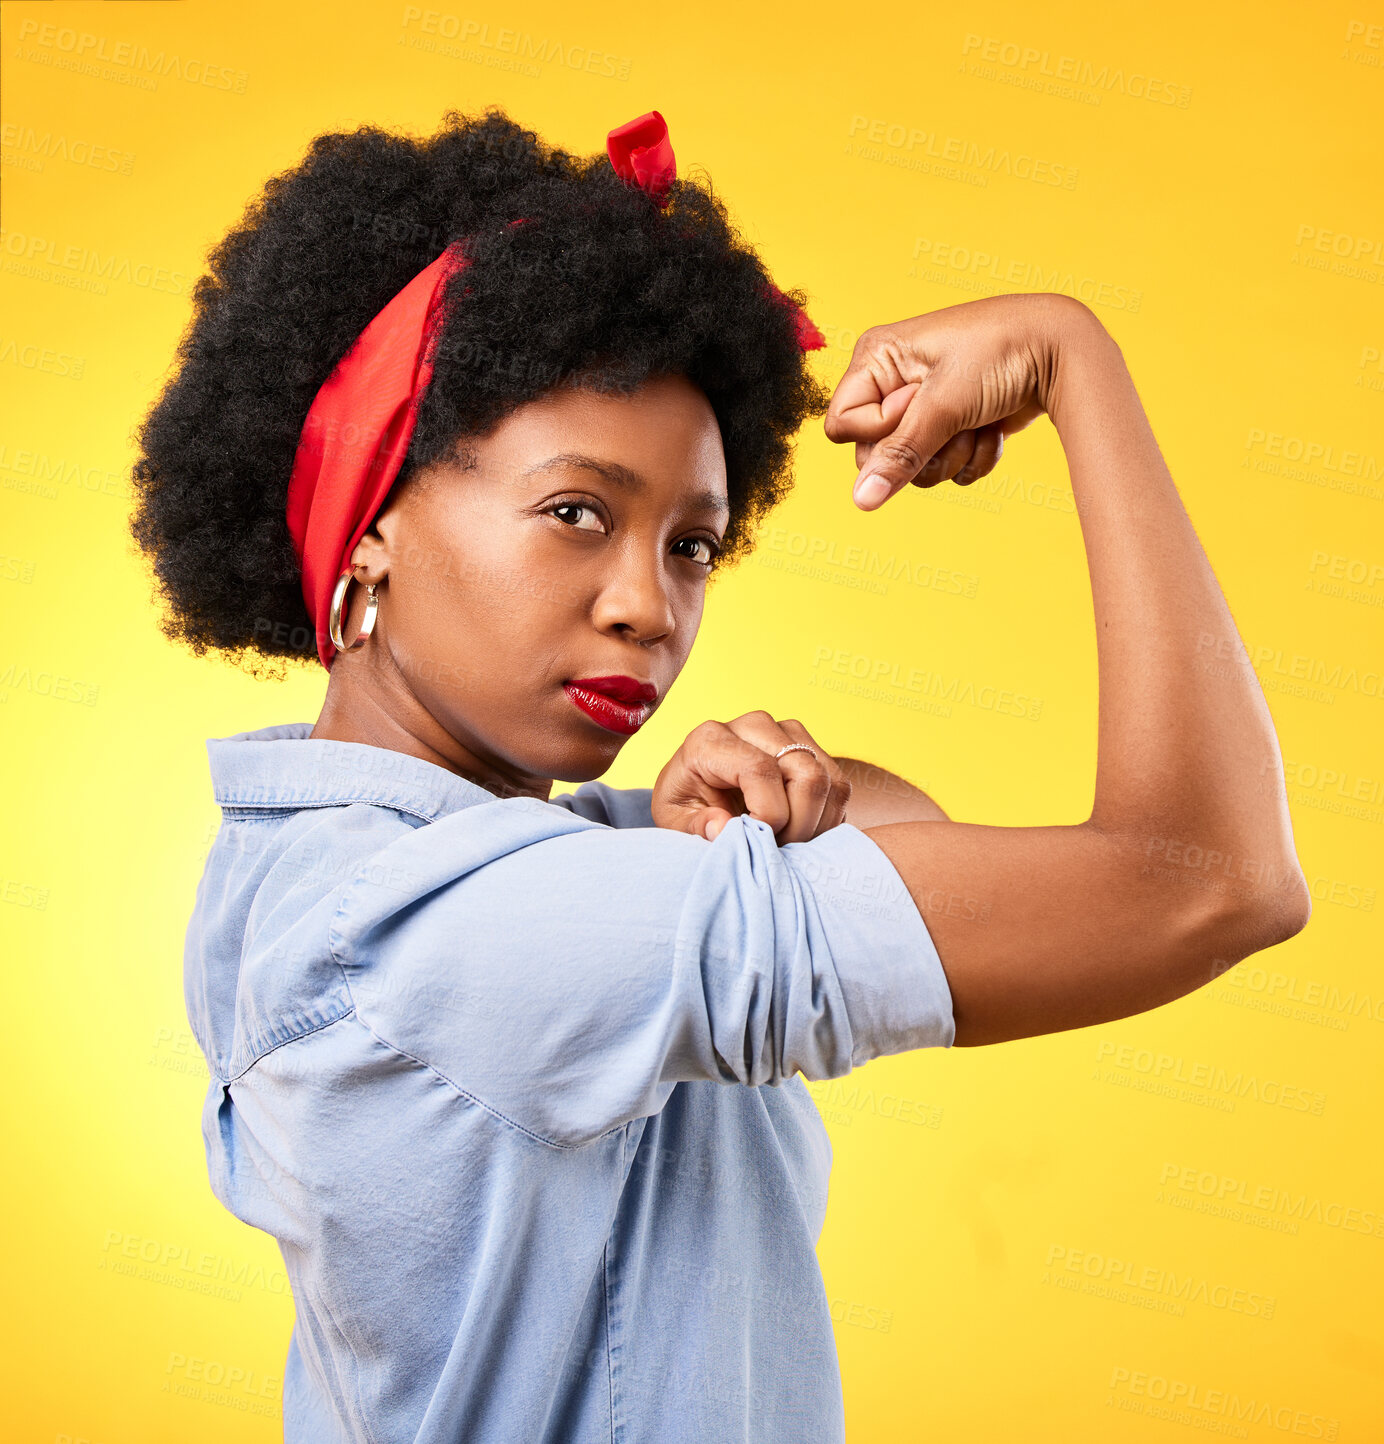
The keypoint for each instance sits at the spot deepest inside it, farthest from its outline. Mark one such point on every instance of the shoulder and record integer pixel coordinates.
(613, 806)
(258, 963)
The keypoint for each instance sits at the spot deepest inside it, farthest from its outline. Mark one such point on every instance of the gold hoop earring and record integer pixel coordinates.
(334, 615)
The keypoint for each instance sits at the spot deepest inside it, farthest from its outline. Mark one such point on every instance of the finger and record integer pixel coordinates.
(1024, 416)
(805, 782)
(927, 425)
(838, 791)
(699, 790)
(727, 761)
(692, 804)
(982, 463)
(867, 401)
(891, 409)
(808, 788)
(952, 457)
(765, 790)
(872, 420)
(882, 419)
(989, 449)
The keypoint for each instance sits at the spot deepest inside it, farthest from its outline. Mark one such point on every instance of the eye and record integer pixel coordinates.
(710, 549)
(575, 506)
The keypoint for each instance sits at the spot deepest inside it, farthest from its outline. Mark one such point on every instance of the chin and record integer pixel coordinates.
(587, 765)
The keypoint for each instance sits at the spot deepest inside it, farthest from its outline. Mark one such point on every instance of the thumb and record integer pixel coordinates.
(711, 822)
(923, 430)
(691, 817)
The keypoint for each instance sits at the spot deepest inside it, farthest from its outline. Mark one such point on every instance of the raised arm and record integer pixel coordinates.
(1186, 863)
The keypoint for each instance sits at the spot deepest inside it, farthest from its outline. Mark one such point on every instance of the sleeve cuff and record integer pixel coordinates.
(895, 989)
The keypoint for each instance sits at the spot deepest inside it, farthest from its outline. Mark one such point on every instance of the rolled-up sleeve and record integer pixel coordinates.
(568, 983)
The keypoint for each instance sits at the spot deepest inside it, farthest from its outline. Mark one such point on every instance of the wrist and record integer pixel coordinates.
(1070, 336)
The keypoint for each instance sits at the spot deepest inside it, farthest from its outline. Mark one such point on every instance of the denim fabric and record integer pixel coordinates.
(515, 1085)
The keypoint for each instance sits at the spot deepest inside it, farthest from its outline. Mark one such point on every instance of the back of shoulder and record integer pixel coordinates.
(258, 965)
(612, 806)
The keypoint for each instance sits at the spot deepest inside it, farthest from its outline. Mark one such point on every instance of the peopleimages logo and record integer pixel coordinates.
(82, 51)
(1284, 989)
(884, 674)
(31, 255)
(1312, 452)
(33, 357)
(1181, 1401)
(915, 148)
(1148, 1071)
(42, 472)
(1035, 65)
(972, 267)
(1204, 1184)
(1127, 1282)
(26, 145)
(506, 48)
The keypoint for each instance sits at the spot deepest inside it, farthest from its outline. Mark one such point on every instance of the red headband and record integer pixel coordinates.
(359, 426)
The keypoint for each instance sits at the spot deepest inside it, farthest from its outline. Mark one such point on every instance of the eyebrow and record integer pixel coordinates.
(624, 477)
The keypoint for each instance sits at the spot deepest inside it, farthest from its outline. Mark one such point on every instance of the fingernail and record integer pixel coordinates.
(871, 490)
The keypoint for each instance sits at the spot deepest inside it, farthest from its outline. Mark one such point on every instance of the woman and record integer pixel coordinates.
(513, 1079)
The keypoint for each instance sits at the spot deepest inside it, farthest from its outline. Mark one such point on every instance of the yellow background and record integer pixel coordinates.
(971, 1189)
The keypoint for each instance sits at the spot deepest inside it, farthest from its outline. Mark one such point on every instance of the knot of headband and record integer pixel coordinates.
(361, 421)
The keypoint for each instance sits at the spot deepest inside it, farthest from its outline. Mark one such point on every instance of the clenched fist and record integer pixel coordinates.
(725, 769)
(934, 397)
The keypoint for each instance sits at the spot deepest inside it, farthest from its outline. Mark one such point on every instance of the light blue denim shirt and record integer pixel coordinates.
(514, 1085)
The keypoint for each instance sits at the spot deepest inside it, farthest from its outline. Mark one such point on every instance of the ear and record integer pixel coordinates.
(371, 558)
(384, 539)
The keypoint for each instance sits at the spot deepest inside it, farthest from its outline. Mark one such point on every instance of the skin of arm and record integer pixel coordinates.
(879, 796)
(1186, 864)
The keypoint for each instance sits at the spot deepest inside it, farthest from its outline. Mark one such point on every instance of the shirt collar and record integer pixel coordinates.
(284, 767)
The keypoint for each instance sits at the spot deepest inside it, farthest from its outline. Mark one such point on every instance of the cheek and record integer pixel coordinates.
(690, 606)
(471, 624)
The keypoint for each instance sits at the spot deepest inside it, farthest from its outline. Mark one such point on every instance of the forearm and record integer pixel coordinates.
(879, 796)
(1187, 760)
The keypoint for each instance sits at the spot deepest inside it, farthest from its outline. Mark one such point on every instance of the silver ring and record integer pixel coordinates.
(795, 746)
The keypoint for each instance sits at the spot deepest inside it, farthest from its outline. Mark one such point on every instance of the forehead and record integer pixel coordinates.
(662, 438)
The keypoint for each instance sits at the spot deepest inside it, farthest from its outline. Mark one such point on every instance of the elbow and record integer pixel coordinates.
(1296, 910)
(1203, 932)
(1262, 917)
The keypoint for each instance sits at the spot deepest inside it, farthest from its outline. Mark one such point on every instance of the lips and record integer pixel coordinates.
(620, 704)
(622, 689)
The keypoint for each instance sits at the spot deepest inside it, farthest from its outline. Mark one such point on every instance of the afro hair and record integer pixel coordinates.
(602, 288)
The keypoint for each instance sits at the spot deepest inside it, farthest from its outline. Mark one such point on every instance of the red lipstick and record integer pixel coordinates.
(620, 704)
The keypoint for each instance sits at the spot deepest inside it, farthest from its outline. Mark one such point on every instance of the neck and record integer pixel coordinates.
(364, 706)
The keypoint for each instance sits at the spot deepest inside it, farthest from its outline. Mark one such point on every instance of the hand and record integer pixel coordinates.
(728, 768)
(934, 398)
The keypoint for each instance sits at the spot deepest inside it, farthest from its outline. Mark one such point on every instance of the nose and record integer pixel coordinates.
(635, 596)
